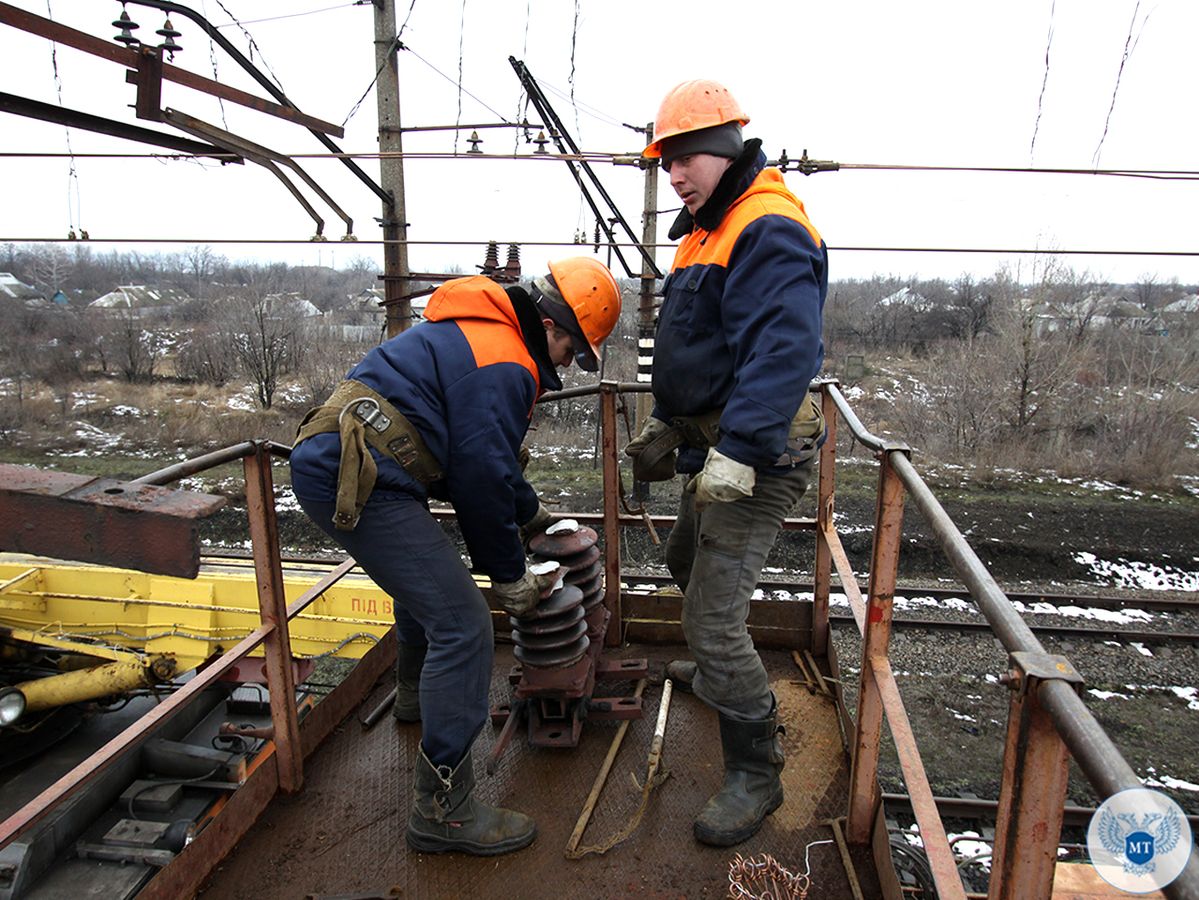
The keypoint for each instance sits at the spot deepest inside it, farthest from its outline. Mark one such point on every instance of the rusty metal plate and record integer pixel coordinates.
(565, 543)
(100, 520)
(344, 834)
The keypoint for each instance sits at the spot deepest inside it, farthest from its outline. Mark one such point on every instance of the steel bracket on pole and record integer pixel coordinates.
(1030, 667)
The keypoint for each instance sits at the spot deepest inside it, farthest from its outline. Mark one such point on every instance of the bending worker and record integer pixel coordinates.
(440, 411)
(738, 341)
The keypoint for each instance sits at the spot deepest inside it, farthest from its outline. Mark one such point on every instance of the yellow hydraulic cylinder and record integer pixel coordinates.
(91, 684)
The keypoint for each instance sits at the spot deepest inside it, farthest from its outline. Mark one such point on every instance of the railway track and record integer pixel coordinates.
(1037, 605)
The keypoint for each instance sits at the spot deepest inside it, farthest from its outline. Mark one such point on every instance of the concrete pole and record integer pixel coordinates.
(645, 318)
(391, 171)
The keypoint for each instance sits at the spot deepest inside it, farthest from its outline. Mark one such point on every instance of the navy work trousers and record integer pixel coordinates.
(715, 555)
(407, 554)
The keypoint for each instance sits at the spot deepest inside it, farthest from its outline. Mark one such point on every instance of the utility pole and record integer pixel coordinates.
(645, 318)
(391, 171)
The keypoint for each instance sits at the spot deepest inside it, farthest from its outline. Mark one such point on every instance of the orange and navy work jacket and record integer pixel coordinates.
(467, 378)
(740, 324)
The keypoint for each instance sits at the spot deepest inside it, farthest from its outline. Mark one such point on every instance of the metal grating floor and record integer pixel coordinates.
(344, 834)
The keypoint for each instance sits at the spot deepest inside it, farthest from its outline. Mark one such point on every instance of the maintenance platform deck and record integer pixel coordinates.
(344, 834)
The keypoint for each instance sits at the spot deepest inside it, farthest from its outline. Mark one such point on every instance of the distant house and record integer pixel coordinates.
(12, 288)
(1188, 305)
(141, 299)
(60, 299)
(368, 304)
(1120, 312)
(295, 304)
(906, 298)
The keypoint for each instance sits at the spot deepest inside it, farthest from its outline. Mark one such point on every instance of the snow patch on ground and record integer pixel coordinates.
(1145, 576)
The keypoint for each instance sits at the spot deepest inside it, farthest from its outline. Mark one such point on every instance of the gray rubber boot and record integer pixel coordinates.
(410, 659)
(447, 818)
(752, 789)
(682, 673)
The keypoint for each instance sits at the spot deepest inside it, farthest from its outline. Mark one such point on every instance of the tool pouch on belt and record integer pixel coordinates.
(364, 418)
(656, 462)
(806, 434)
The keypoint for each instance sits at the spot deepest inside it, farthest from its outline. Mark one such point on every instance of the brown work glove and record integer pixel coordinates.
(661, 467)
(542, 519)
(521, 597)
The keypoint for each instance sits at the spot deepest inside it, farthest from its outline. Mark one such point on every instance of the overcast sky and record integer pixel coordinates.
(915, 83)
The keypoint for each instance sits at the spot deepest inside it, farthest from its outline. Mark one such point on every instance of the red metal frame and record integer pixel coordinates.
(1047, 719)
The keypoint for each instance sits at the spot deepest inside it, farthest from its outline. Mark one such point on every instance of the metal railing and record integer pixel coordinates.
(1048, 721)
(279, 765)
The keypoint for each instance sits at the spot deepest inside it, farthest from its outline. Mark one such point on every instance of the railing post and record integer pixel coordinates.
(268, 571)
(1032, 789)
(611, 512)
(884, 566)
(824, 523)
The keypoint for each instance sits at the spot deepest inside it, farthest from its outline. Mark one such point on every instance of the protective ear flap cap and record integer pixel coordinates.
(691, 106)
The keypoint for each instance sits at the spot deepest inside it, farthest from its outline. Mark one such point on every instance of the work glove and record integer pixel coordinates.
(523, 456)
(661, 466)
(651, 429)
(539, 523)
(722, 480)
(520, 597)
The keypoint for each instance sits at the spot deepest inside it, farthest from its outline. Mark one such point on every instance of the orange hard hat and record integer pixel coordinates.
(590, 290)
(691, 106)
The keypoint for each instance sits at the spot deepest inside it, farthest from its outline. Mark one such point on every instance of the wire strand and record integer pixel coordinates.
(1044, 82)
(297, 15)
(839, 248)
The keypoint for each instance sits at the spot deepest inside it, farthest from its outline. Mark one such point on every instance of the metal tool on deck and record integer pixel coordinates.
(559, 645)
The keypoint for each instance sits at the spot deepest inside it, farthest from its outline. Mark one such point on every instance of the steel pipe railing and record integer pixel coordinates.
(1033, 793)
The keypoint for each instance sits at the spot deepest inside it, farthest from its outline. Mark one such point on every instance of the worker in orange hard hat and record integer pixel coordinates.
(738, 342)
(440, 411)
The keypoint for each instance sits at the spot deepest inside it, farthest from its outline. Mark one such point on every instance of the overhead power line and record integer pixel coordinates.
(295, 15)
(837, 248)
(1162, 174)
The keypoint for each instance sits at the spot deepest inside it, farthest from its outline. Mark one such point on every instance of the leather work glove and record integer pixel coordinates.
(650, 430)
(658, 463)
(542, 519)
(521, 597)
(722, 480)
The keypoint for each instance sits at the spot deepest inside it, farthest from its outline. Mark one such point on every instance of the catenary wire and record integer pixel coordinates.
(457, 84)
(1130, 172)
(294, 15)
(838, 248)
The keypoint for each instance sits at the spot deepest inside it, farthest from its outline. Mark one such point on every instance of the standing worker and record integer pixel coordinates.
(738, 342)
(440, 411)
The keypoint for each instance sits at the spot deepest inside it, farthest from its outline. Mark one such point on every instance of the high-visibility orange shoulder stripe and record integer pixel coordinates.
(767, 196)
(497, 342)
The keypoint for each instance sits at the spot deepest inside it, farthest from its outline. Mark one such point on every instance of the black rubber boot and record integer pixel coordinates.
(752, 789)
(410, 659)
(447, 818)
(681, 672)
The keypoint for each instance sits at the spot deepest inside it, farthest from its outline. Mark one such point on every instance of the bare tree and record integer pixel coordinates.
(264, 331)
(327, 358)
(52, 267)
(132, 348)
